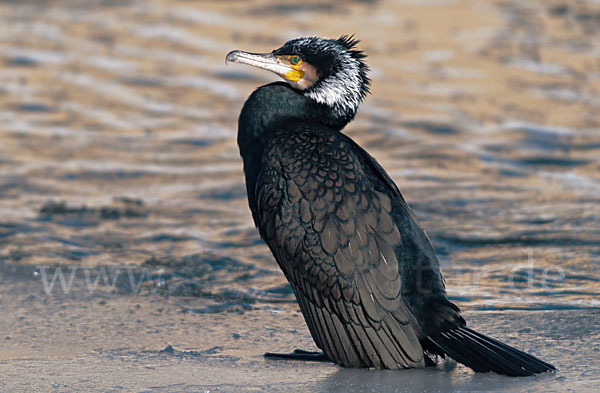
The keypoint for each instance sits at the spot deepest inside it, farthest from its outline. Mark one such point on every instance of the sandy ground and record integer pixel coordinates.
(105, 342)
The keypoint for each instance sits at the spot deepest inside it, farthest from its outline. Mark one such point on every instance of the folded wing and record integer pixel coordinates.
(333, 234)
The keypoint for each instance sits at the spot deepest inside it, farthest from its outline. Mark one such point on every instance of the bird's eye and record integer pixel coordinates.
(295, 60)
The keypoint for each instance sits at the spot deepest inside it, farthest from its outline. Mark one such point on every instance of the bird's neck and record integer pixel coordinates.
(276, 103)
(265, 112)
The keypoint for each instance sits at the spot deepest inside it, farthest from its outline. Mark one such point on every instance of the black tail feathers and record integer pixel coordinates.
(482, 353)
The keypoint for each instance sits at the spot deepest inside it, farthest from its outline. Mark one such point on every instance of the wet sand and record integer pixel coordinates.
(118, 157)
(105, 342)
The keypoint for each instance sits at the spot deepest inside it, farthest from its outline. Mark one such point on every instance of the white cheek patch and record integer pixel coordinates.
(340, 91)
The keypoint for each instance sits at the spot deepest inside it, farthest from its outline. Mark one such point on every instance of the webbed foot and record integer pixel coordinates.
(299, 354)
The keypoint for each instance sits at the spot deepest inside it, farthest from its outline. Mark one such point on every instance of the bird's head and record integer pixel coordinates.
(330, 72)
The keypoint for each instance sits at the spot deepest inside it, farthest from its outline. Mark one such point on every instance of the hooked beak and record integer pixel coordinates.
(265, 61)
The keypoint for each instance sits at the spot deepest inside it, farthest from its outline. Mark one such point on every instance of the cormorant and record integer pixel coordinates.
(364, 273)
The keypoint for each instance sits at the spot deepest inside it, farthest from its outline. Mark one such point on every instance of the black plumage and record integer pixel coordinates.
(363, 271)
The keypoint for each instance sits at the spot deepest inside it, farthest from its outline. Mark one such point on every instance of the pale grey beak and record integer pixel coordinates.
(265, 61)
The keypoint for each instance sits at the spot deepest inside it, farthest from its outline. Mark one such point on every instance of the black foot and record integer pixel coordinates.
(299, 354)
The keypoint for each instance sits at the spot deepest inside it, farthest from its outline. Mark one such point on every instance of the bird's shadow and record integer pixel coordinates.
(446, 377)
